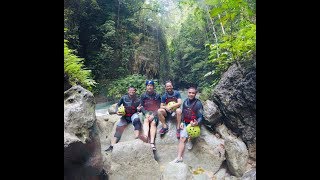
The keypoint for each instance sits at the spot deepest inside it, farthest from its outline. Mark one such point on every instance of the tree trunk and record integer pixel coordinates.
(214, 30)
(221, 25)
(118, 14)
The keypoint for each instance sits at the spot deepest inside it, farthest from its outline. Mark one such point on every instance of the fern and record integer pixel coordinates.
(74, 68)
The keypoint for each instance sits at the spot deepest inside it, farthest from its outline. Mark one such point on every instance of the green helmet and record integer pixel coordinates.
(171, 103)
(193, 131)
(121, 109)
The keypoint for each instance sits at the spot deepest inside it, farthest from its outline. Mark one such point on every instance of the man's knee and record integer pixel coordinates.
(183, 139)
(179, 111)
(161, 111)
(119, 131)
(153, 123)
(137, 124)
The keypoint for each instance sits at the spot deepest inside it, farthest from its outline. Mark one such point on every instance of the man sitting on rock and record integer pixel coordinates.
(130, 103)
(150, 103)
(192, 113)
(170, 96)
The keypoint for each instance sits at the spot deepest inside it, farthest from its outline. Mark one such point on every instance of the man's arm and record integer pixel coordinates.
(178, 104)
(121, 101)
(199, 108)
(159, 104)
(182, 118)
(179, 100)
(142, 105)
(163, 100)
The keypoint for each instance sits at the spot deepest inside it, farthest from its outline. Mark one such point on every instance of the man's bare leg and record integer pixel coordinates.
(162, 114)
(153, 130)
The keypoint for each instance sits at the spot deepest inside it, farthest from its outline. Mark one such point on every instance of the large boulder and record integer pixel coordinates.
(175, 171)
(236, 152)
(208, 151)
(133, 160)
(250, 175)
(211, 112)
(106, 127)
(82, 150)
(112, 109)
(235, 95)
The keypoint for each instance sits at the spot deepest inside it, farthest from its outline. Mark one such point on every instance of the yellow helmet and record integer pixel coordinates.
(171, 103)
(121, 109)
(193, 131)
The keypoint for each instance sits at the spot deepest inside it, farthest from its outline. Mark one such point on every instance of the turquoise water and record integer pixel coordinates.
(103, 105)
(102, 108)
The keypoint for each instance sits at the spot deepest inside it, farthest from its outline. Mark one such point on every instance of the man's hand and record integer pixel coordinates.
(139, 107)
(181, 125)
(194, 123)
(120, 114)
(150, 117)
(168, 108)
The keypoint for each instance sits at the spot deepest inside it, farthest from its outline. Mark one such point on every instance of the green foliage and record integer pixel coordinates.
(206, 92)
(188, 51)
(74, 68)
(239, 41)
(115, 38)
(230, 12)
(117, 88)
(160, 40)
(240, 46)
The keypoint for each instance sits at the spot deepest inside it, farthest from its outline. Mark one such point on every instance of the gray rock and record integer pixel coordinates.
(133, 160)
(175, 171)
(112, 109)
(211, 112)
(82, 150)
(236, 152)
(250, 175)
(235, 95)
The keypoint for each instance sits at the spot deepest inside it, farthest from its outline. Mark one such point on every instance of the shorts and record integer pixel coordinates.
(183, 132)
(155, 119)
(170, 113)
(124, 120)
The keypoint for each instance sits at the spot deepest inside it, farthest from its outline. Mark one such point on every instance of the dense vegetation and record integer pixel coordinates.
(75, 70)
(125, 42)
(120, 86)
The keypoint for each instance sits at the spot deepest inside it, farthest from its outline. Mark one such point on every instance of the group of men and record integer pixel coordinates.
(154, 108)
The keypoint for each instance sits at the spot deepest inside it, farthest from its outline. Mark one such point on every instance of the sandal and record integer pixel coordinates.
(110, 148)
(178, 160)
(153, 147)
(178, 133)
(163, 131)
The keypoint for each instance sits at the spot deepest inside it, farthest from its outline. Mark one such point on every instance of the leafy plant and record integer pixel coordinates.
(239, 46)
(75, 70)
(239, 41)
(119, 87)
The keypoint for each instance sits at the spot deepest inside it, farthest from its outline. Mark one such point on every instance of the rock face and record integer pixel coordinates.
(235, 95)
(132, 155)
(82, 149)
(133, 160)
(236, 152)
(211, 112)
(175, 171)
(112, 109)
(66, 82)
